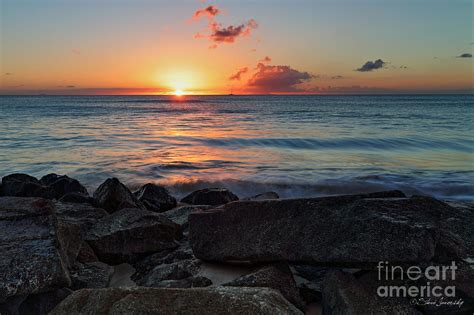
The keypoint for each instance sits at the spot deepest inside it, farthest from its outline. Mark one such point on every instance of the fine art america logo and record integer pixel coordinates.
(430, 286)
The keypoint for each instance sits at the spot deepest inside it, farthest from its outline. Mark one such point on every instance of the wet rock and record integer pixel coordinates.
(61, 185)
(92, 275)
(112, 195)
(180, 214)
(174, 271)
(23, 185)
(343, 294)
(264, 196)
(331, 230)
(38, 304)
(156, 198)
(213, 300)
(210, 196)
(32, 259)
(460, 221)
(130, 234)
(277, 276)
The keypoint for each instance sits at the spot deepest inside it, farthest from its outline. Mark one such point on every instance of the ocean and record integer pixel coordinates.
(298, 146)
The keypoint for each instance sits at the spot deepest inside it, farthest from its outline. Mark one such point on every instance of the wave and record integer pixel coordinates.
(394, 143)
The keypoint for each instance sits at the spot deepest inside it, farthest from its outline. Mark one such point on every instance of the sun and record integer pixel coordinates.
(178, 92)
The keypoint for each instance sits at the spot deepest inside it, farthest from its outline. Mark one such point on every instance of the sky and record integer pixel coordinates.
(239, 46)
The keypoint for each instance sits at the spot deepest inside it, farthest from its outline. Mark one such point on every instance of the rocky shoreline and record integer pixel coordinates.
(122, 252)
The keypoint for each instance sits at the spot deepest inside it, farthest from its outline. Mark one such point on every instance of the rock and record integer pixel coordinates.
(210, 196)
(264, 196)
(213, 300)
(336, 230)
(38, 304)
(460, 222)
(145, 265)
(112, 195)
(76, 197)
(94, 275)
(343, 294)
(156, 198)
(277, 276)
(174, 271)
(23, 185)
(82, 215)
(32, 259)
(180, 214)
(74, 220)
(61, 185)
(130, 234)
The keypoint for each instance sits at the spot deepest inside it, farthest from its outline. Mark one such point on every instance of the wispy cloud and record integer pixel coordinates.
(217, 32)
(372, 65)
(229, 34)
(266, 59)
(210, 11)
(465, 55)
(8, 73)
(239, 73)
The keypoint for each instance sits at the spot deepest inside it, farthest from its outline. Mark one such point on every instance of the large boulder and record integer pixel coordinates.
(112, 195)
(129, 234)
(32, 260)
(276, 276)
(156, 198)
(214, 300)
(332, 230)
(210, 196)
(60, 185)
(23, 185)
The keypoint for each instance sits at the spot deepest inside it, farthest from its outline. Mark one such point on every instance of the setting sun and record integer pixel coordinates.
(178, 92)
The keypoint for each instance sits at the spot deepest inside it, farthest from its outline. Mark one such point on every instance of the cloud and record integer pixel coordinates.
(8, 73)
(266, 59)
(465, 55)
(270, 78)
(211, 11)
(372, 65)
(238, 74)
(229, 34)
(403, 67)
(337, 77)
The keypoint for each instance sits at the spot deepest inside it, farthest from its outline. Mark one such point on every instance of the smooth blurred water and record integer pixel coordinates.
(295, 145)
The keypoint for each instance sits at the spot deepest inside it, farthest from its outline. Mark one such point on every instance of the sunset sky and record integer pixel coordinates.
(215, 47)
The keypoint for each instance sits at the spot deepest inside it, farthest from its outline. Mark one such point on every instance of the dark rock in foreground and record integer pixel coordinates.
(332, 230)
(156, 198)
(277, 276)
(76, 197)
(32, 260)
(129, 234)
(343, 294)
(175, 271)
(210, 196)
(180, 215)
(112, 195)
(217, 300)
